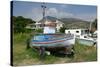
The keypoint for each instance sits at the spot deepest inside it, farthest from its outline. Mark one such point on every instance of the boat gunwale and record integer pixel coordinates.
(65, 37)
(51, 41)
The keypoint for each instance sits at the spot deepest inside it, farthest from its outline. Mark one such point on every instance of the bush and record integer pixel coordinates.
(19, 23)
(62, 29)
(28, 30)
(39, 30)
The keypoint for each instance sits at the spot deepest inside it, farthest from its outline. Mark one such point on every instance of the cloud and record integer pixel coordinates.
(36, 14)
(58, 13)
(65, 15)
(52, 12)
(87, 16)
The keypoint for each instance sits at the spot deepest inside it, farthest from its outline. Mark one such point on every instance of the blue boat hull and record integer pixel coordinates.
(52, 40)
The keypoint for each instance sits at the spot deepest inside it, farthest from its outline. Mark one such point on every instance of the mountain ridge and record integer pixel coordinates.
(69, 22)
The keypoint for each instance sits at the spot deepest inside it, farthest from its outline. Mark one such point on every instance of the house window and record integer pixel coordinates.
(77, 31)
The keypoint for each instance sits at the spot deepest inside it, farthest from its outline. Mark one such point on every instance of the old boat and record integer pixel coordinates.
(53, 40)
(53, 43)
(83, 36)
(86, 40)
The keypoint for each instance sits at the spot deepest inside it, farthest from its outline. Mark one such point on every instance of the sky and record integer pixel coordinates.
(33, 10)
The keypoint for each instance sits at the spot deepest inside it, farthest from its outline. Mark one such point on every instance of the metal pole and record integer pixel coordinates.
(43, 7)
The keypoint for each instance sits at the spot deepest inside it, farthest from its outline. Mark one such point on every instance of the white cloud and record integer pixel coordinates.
(58, 13)
(87, 17)
(52, 12)
(65, 15)
(36, 14)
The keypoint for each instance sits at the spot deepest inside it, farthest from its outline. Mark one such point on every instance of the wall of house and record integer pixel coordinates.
(59, 25)
(49, 30)
(76, 32)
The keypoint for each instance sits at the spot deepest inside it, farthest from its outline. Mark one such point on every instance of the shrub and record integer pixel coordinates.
(39, 30)
(62, 29)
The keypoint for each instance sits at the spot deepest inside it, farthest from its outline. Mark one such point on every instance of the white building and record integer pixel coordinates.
(38, 25)
(59, 25)
(77, 32)
(47, 25)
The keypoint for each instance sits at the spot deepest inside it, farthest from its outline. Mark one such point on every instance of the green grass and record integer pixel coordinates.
(85, 53)
(22, 56)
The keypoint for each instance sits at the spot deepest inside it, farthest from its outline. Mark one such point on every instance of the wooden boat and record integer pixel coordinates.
(52, 40)
(54, 43)
(86, 40)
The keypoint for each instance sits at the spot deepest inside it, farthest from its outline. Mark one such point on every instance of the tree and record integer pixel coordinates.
(62, 29)
(95, 24)
(19, 23)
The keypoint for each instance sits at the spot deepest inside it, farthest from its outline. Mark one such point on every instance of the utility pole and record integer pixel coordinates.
(43, 7)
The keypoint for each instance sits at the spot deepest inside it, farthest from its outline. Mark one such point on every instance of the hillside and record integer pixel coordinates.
(69, 22)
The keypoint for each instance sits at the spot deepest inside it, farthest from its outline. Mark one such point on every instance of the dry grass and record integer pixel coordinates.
(21, 56)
